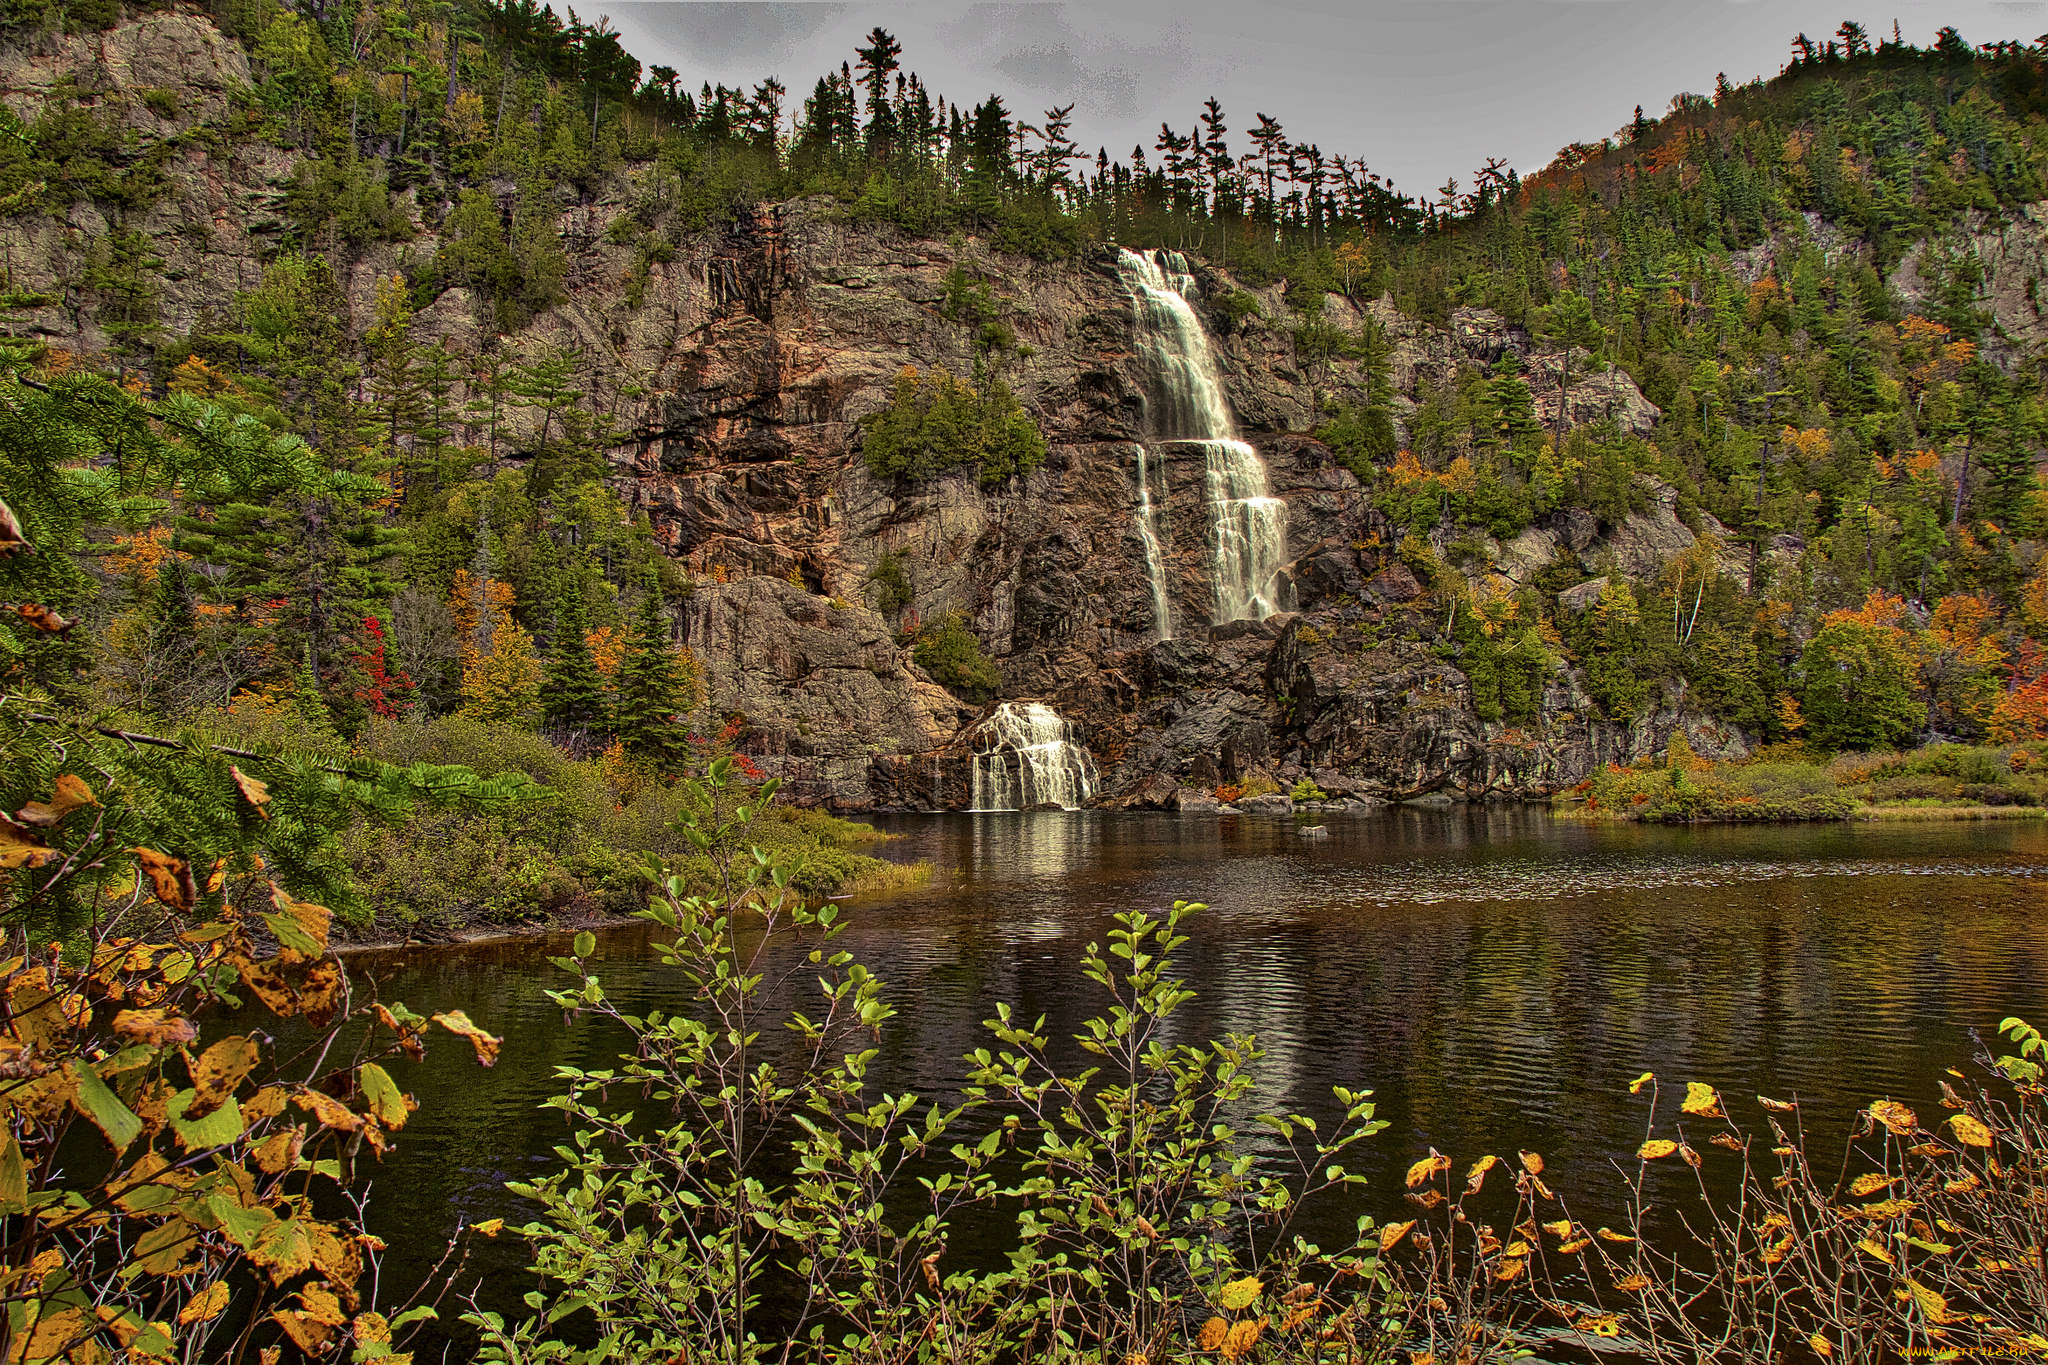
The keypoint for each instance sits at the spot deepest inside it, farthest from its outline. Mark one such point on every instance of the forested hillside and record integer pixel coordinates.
(572, 420)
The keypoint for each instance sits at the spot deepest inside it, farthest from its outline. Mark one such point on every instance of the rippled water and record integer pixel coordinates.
(1497, 976)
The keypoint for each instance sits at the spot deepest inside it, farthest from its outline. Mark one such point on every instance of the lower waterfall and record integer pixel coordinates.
(1025, 756)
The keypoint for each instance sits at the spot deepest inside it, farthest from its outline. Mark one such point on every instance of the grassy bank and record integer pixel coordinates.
(1789, 783)
(578, 851)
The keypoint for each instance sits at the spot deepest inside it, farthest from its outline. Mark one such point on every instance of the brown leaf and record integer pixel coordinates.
(13, 540)
(331, 1112)
(487, 1045)
(1692, 1158)
(170, 878)
(218, 1071)
(69, 794)
(159, 1027)
(1728, 1140)
(312, 989)
(19, 847)
(43, 619)
(1775, 1106)
(254, 792)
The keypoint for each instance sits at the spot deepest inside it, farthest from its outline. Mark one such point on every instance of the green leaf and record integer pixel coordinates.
(217, 1129)
(386, 1100)
(104, 1107)
(13, 1174)
(586, 944)
(291, 936)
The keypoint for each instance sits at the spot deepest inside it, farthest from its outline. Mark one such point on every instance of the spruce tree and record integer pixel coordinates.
(574, 698)
(650, 691)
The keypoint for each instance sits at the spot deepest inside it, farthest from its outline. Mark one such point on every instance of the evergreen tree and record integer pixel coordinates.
(574, 700)
(649, 691)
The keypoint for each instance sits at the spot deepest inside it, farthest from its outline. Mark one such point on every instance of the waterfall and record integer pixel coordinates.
(1248, 525)
(1025, 755)
(1155, 555)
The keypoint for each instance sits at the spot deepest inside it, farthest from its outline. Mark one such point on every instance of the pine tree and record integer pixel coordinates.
(574, 699)
(650, 691)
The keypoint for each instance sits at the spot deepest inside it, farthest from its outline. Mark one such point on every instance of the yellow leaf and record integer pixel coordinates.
(1970, 1131)
(1896, 1117)
(1213, 1332)
(1575, 1246)
(1700, 1099)
(1929, 1302)
(1476, 1177)
(1634, 1284)
(1242, 1336)
(218, 1071)
(1532, 1162)
(1393, 1233)
(1240, 1294)
(1635, 1086)
(1655, 1148)
(371, 1327)
(490, 1227)
(486, 1045)
(1600, 1325)
(19, 847)
(159, 1028)
(1822, 1347)
(1610, 1235)
(253, 791)
(69, 794)
(1869, 1184)
(1871, 1247)
(1427, 1167)
(1562, 1227)
(206, 1305)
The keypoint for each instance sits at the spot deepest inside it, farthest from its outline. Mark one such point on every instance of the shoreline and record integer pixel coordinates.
(1862, 815)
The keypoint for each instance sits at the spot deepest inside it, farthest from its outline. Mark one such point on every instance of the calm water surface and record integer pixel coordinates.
(1497, 976)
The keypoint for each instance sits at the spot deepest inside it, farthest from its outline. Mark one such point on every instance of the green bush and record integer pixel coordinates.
(949, 651)
(935, 422)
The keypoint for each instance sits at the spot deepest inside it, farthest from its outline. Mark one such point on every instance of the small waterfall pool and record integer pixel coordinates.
(1025, 755)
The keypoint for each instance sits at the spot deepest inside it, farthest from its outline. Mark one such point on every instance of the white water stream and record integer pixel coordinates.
(1025, 756)
(1248, 525)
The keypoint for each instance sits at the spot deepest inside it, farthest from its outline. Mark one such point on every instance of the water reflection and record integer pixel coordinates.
(1498, 977)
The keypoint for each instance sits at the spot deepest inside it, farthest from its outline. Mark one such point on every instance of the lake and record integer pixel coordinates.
(1497, 975)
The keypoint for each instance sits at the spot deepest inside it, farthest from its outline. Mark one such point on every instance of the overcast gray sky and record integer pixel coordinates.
(1422, 89)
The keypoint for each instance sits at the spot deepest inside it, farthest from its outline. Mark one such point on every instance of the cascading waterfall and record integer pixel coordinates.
(1025, 756)
(1248, 524)
(1155, 553)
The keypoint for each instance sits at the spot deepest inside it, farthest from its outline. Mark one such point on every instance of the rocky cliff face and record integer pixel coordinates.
(741, 374)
